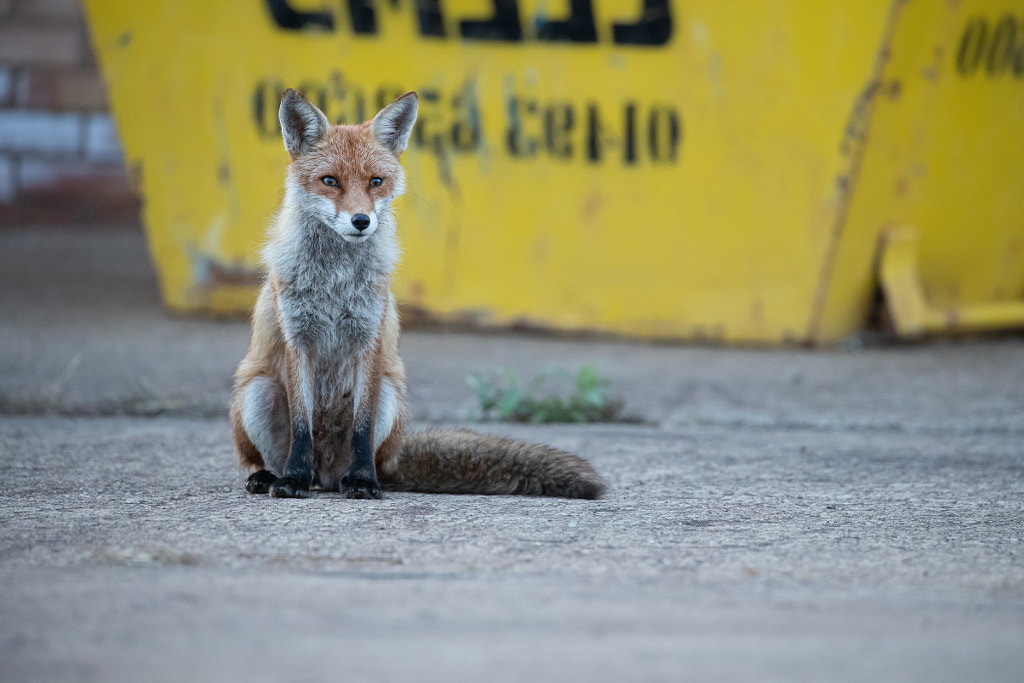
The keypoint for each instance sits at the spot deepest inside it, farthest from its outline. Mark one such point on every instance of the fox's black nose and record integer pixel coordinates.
(360, 221)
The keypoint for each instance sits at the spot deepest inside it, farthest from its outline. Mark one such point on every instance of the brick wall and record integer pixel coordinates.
(60, 160)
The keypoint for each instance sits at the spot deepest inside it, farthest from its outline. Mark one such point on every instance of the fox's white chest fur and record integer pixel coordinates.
(332, 293)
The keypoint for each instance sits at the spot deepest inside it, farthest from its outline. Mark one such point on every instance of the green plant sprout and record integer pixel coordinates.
(502, 397)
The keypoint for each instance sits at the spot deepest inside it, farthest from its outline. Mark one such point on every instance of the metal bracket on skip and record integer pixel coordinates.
(911, 313)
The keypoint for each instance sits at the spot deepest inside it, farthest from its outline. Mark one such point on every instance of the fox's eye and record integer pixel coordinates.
(376, 182)
(329, 181)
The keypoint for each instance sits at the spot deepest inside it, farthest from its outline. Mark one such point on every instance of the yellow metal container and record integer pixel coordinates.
(665, 168)
(943, 153)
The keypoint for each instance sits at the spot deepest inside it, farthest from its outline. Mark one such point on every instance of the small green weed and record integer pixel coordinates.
(503, 397)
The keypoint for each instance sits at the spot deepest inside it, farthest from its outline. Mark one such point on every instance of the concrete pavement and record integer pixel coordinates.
(845, 514)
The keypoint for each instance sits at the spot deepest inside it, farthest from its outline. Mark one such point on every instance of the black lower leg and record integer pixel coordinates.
(361, 480)
(298, 472)
(259, 482)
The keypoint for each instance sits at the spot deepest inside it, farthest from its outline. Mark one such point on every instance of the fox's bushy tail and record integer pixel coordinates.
(461, 461)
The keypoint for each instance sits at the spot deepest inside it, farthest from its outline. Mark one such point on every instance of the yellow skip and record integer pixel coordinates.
(681, 169)
(911, 313)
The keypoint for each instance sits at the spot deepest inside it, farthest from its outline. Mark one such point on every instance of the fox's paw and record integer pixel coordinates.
(260, 482)
(289, 487)
(359, 487)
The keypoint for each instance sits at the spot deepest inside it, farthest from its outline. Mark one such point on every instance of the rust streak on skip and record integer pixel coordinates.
(854, 142)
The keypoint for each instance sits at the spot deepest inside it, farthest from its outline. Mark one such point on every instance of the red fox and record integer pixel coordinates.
(319, 399)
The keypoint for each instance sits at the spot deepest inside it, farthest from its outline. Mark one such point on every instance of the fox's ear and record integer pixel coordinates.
(302, 124)
(393, 124)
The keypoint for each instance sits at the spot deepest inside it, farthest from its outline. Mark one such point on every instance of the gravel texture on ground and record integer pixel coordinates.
(854, 513)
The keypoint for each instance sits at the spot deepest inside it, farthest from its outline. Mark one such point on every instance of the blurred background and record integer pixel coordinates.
(786, 172)
(60, 158)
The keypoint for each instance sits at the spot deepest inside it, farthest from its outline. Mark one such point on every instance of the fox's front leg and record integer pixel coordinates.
(361, 480)
(298, 470)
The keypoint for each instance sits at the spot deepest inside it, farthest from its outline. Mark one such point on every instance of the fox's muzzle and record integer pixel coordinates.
(360, 221)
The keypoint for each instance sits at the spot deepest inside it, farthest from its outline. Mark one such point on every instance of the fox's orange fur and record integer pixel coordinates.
(319, 398)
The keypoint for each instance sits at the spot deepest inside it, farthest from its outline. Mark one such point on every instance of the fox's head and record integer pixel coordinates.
(346, 176)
